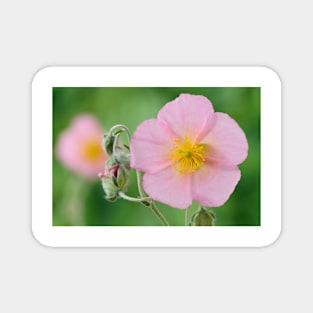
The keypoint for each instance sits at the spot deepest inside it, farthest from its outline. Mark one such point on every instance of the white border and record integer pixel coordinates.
(118, 236)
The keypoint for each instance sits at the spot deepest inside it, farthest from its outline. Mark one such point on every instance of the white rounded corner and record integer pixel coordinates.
(39, 239)
(271, 74)
(42, 74)
(273, 238)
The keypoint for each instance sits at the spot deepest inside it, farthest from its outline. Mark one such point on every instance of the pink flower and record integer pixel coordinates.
(189, 153)
(79, 146)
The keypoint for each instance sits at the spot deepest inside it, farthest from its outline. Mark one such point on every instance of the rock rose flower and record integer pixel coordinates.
(79, 146)
(189, 152)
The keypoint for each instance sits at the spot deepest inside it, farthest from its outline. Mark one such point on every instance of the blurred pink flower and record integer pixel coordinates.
(79, 146)
(189, 153)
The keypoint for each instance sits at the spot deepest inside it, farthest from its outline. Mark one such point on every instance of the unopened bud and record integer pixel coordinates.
(114, 179)
(122, 177)
(123, 159)
(110, 190)
(203, 217)
(108, 143)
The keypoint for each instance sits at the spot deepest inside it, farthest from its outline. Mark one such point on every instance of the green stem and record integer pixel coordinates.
(139, 184)
(156, 211)
(72, 205)
(124, 196)
(152, 205)
(122, 128)
(187, 217)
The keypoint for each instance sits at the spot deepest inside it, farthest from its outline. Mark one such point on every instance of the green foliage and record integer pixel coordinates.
(77, 201)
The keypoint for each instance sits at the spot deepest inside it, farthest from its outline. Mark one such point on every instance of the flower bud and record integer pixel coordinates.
(108, 143)
(122, 177)
(203, 217)
(114, 179)
(110, 189)
(123, 159)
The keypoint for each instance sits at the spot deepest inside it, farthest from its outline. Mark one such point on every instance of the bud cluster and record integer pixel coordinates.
(116, 172)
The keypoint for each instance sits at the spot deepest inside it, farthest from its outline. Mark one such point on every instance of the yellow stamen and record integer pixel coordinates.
(186, 156)
(91, 150)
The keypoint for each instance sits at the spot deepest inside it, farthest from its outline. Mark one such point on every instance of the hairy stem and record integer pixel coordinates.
(156, 211)
(124, 196)
(139, 184)
(152, 205)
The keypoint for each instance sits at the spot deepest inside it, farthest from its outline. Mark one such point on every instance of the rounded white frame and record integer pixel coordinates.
(146, 236)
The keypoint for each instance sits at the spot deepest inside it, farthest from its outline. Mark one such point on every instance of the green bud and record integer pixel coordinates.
(114, 179)
(203, 217)
(122, 177)
(123, 159)
(108, 164)
(110, 190)
(108, 143)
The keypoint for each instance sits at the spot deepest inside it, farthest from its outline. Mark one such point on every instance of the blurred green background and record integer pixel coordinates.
(77, 201)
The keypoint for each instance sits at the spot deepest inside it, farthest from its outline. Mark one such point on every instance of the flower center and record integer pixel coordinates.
(91, 150)
(186, 156)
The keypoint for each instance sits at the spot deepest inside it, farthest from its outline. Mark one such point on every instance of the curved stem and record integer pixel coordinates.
(156, 211)
(152, 205)
(139, 184)
(119, 128)
(115, 143)
(124, 196)
(123, 128)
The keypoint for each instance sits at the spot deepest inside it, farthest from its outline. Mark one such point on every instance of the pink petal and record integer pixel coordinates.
(71, 141)
(86, 124)
(187, 115)
(213, 184)
(169, 187)
(227, 140)
(67, 149)
(150, 146)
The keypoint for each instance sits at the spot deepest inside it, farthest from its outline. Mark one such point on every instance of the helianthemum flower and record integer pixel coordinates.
(79, 146)
(189, 153)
